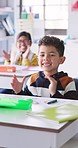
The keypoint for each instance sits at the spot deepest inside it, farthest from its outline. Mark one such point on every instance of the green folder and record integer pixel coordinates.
(62, 113)
(15, 103)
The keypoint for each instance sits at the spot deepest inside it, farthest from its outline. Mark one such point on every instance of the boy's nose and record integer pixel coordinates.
(23, 42)
(46, 57)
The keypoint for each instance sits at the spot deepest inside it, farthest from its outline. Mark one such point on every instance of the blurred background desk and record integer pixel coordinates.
(21, 71)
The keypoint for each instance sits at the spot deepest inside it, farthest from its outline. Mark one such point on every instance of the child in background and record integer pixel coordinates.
(23, 55)
(49, 82)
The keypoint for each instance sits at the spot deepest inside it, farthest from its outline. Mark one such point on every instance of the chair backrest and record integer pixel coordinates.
(76, 82)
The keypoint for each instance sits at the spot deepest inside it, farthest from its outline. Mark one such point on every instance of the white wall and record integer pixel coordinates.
(71, 64)
(72, 21)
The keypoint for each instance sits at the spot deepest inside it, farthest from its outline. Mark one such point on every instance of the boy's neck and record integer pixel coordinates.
(50, 73)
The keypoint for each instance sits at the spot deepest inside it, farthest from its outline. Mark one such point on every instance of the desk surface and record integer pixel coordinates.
(20, 128)
(21, 71)
(29, 119)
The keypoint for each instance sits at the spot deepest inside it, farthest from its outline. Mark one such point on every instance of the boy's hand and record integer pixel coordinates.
(6, 55)
(16, 85)
(26, 53)
(52, 86)
(15, 60)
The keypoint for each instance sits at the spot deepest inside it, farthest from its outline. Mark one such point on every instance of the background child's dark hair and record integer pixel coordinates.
(24, 33)
(50, 40)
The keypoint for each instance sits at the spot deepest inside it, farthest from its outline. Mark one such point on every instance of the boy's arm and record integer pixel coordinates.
(69, 95)
(25, 92)
(7, 62)
(57, 95)
(70, 92)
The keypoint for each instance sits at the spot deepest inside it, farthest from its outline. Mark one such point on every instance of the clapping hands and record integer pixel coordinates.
(53, 85)
(26, 53)
(16, 85)
(6, 55)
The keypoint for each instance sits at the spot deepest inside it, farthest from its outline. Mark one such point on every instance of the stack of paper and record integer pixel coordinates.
(62, 113)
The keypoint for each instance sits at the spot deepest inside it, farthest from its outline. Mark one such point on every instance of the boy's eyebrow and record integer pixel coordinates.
(48, 52)
(52, 52)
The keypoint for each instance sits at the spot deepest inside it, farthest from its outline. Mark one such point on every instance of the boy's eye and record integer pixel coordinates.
(42, 55)
(22, 41)
(51, 54)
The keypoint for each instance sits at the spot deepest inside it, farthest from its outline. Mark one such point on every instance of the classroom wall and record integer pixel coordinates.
(72, 20)
(71, 63)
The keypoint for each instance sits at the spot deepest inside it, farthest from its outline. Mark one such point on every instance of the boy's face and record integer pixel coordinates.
(49, 59)
(22, 43)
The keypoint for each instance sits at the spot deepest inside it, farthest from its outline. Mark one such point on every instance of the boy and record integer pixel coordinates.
(23, 55)
(48, 82)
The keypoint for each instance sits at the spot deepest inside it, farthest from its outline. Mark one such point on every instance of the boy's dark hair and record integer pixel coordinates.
(24, 33)
(50, 40)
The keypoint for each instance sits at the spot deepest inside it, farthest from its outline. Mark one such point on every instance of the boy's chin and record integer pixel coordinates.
(23, 51)
(47, 69)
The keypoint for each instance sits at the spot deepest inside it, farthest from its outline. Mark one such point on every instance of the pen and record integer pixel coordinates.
(53, 101)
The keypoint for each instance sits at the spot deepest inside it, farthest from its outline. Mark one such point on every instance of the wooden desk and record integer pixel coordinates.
(21, 71)
(21, 130)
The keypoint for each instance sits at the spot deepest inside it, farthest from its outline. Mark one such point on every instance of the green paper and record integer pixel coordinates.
(62, 113)
(16, 104)
(24, 104)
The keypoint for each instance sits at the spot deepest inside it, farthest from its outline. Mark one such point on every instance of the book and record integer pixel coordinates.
(63, 113)
(8, 25)
(13, 103)
(6, 68)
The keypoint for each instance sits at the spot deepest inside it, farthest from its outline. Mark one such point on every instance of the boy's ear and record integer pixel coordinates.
(30, 43)
(62, 60)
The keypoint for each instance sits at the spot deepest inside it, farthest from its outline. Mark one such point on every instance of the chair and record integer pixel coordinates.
(76, 82)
